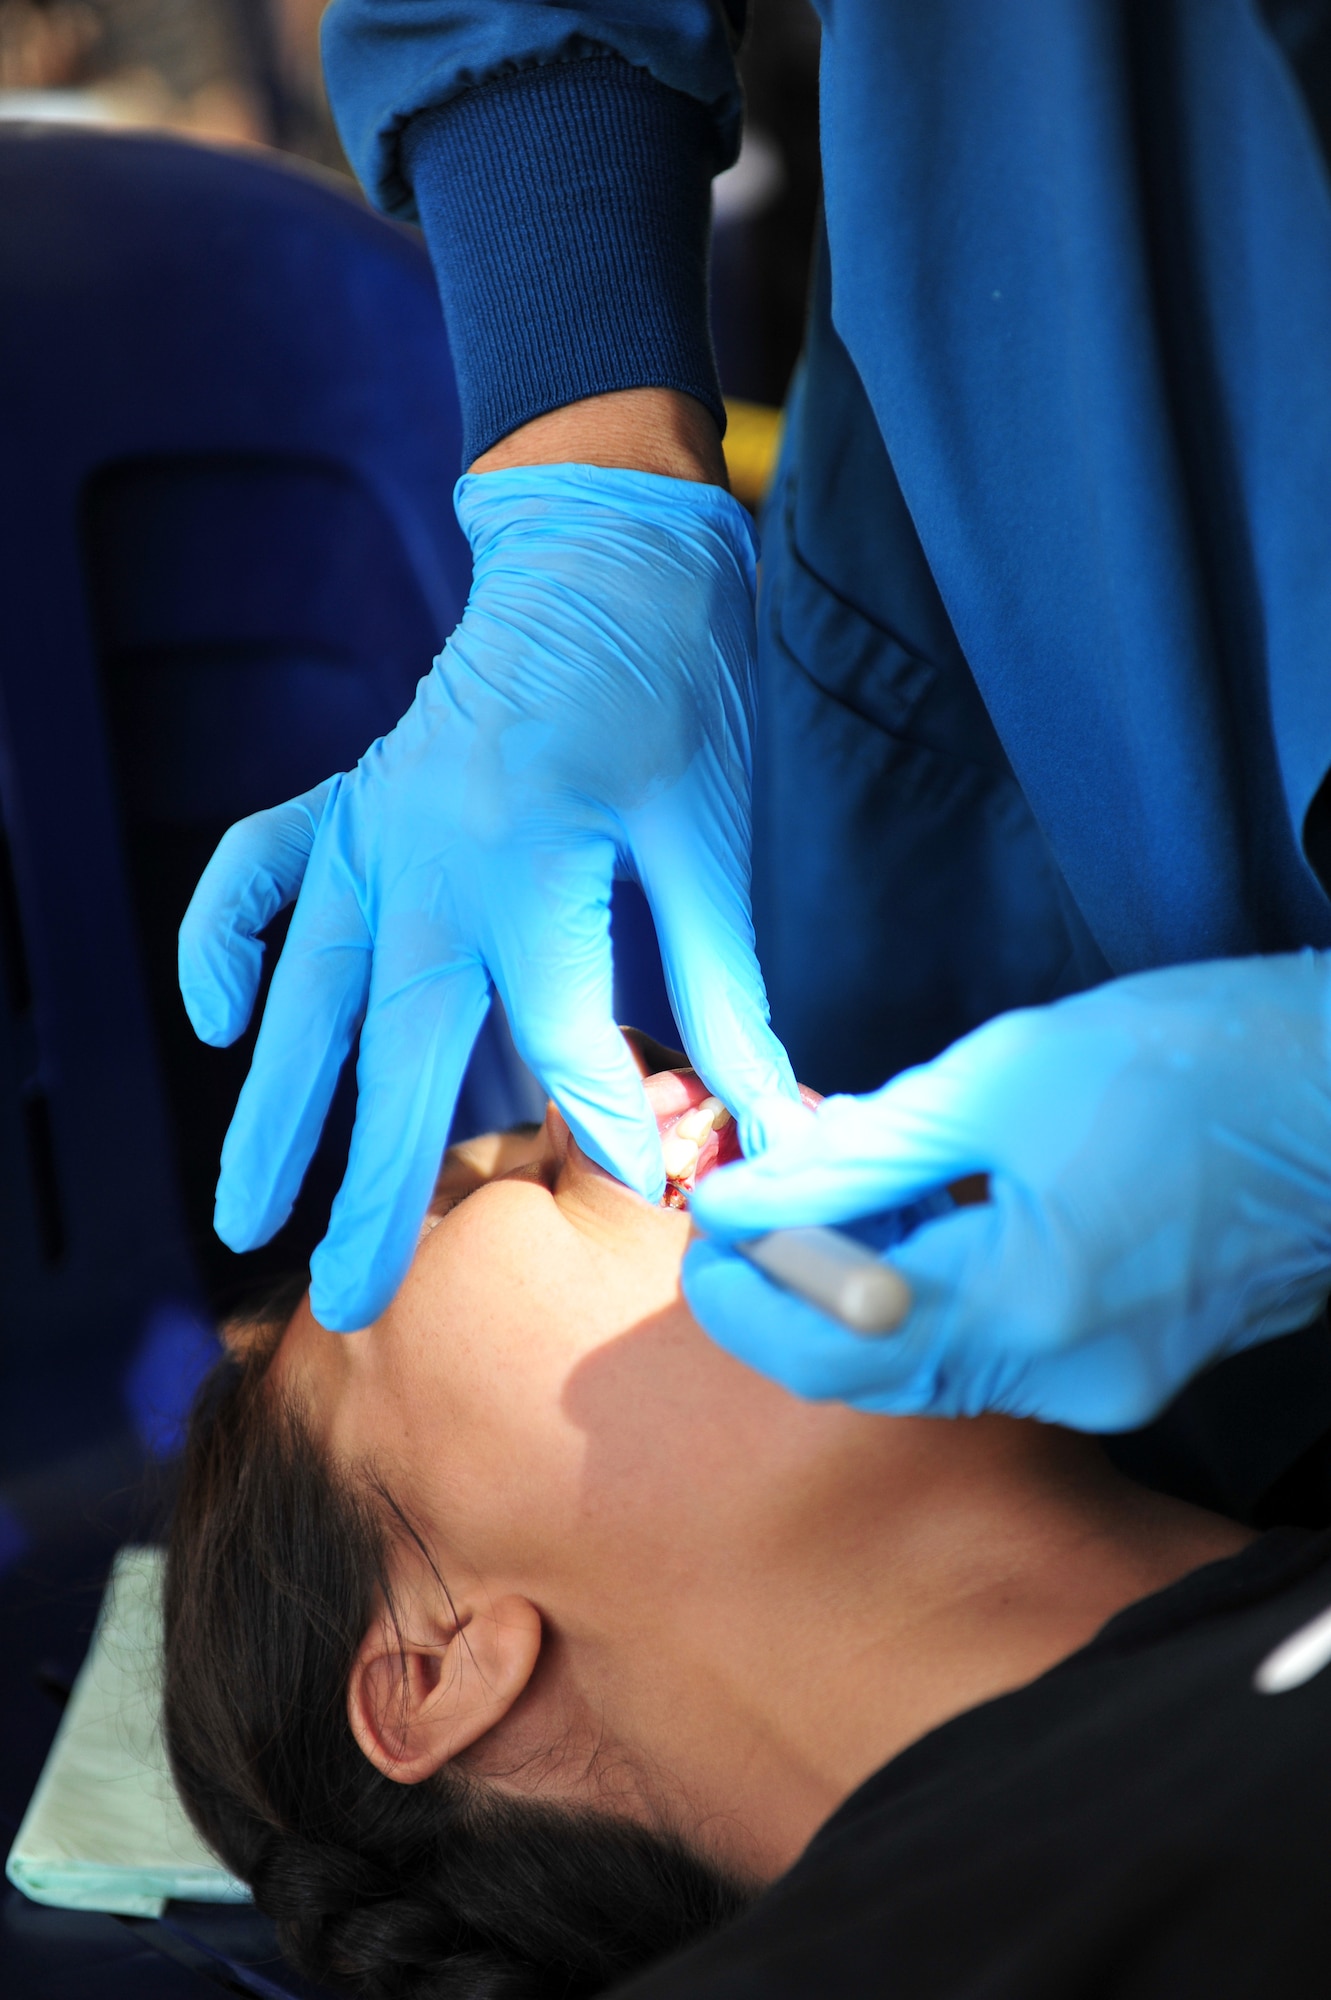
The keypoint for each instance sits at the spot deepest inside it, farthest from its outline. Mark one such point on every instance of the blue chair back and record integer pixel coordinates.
(228, 438)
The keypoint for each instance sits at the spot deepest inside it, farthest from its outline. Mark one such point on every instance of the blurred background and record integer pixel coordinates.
(227, 553)
(233, 71)
(247, 72)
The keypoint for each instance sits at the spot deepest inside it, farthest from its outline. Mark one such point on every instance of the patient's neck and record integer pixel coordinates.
(781, 1668)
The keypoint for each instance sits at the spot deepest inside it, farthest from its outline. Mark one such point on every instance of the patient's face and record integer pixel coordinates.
(539, 1376)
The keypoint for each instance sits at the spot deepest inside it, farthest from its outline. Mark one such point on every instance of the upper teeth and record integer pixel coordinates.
(682, 1145)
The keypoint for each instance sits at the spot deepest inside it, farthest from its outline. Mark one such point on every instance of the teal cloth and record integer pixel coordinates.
(105, 1829)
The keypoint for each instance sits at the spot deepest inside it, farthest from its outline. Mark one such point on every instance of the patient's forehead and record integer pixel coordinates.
(308, 1365)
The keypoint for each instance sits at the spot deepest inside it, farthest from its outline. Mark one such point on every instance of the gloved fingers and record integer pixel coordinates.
(414, 1045)
(780, 1336)
(852, 1158)
(716, 990)
(556, 980)
(987, 1104)
(314, 1008)
(998, 1308)
(256, 870)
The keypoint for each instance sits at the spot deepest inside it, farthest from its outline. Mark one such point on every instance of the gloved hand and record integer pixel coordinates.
(1159, 1153)
(591, 715)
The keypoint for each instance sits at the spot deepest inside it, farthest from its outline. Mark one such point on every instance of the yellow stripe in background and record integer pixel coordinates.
(752, 441)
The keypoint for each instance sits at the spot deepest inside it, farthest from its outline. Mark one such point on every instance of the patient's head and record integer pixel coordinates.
(394, 1557)
(516, 1639)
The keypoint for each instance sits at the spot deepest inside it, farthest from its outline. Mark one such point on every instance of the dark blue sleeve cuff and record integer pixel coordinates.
(567, 209)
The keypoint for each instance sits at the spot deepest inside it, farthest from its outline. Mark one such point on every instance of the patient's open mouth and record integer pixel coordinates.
(697, 1132)
(702, 1138)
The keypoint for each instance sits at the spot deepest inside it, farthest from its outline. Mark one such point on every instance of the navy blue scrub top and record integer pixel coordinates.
(1083, 273)
(1050, 554)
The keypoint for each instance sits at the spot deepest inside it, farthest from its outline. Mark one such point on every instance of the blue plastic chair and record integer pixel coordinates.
(227, 552)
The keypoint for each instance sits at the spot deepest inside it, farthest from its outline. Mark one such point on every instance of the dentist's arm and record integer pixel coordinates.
(593, 713)
(1159, 1157)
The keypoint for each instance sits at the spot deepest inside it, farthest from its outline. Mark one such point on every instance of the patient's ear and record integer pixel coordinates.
(417, 1698)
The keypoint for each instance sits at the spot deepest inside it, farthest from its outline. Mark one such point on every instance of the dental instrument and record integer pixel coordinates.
(832, 1272)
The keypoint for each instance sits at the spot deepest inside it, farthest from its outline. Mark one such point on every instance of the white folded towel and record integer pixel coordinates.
(105, 1829)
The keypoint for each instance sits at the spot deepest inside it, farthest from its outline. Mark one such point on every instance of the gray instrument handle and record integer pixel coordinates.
(834, 1273)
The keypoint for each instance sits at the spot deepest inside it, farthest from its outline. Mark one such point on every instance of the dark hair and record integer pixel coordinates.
(402, 1892)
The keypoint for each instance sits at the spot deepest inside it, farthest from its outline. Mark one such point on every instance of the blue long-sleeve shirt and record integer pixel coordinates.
(559, 159)
(1081, 265)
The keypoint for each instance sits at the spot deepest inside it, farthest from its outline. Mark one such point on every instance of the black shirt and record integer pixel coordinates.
(1140, 1821)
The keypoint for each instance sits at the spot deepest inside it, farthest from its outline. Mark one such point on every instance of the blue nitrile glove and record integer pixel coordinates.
(1160, 1161)
(592, 715)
